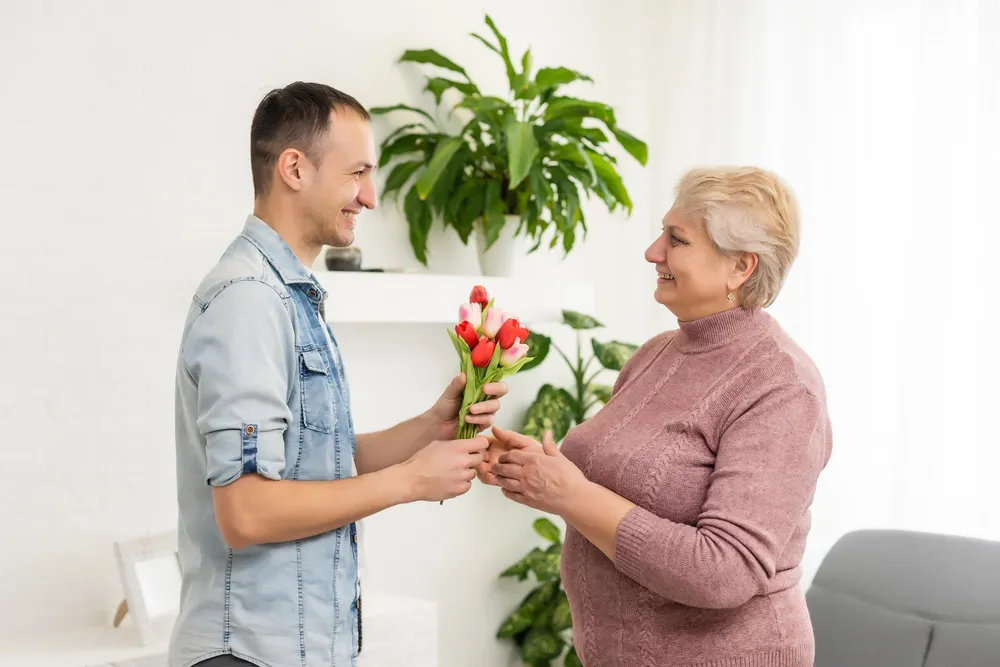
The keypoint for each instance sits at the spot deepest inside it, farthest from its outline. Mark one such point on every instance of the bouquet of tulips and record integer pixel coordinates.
(491, 346)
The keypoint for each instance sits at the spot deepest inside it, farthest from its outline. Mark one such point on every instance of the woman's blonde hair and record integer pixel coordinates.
(746, 209)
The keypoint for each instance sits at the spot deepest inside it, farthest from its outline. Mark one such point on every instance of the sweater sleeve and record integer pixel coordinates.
(766, 468)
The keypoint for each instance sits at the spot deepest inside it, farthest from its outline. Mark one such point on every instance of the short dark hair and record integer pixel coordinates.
(295, 116)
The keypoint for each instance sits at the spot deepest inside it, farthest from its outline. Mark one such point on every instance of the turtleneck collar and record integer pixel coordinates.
(716, 330)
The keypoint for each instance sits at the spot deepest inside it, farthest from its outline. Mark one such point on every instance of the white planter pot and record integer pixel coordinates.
(501, 258)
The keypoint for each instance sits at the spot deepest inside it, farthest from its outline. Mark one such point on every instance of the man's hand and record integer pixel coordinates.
(444, 413)
(445, 468)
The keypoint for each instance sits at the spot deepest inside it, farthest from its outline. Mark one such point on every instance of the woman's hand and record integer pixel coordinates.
(538, 476)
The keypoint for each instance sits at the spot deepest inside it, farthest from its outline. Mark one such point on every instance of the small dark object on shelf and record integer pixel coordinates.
(343, 259)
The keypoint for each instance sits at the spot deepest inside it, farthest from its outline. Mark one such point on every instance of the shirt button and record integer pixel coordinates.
(249, 430)
(355, 538)
(312, 293)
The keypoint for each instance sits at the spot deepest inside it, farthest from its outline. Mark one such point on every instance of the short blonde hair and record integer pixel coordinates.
(746, 209)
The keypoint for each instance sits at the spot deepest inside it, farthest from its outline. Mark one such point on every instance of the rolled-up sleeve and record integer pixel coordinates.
(240, 352)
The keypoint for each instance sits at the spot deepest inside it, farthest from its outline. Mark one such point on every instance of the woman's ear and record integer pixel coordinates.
(746, 264)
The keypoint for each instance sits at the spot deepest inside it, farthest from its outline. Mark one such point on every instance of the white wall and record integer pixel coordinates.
(125, 174)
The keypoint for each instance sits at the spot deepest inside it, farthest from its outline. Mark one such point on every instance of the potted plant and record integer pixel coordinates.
(557, 408)
(517, 166)
(541, 624)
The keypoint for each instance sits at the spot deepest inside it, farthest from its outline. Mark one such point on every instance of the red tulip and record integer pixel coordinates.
(479, 295)
(467, 331)
(523, 334)
(482, 353)
(508, 333)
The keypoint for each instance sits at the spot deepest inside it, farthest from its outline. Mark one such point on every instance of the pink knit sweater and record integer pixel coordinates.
(717, 432)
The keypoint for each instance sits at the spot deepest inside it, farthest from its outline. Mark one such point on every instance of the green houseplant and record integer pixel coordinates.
(541, 624)
(558, 408)
(521, 164)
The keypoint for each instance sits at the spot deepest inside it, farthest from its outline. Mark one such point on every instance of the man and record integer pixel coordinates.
(268, 497)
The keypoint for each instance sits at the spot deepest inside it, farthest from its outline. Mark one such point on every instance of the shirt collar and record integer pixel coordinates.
(276, 251)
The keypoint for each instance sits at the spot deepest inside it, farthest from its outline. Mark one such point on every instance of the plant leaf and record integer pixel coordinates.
(482, 104)
(521, 568)
(602, 392)
(635, 147)
(613, 354)
(379, 111)
(572, 659)
(551, 77)
(579, 321)
(561, 107)
(399, 175)
(493, 213)
(442, 156)
(431, 57)
(552, 410)
(609, 176)
(419, 218)
(541, 645)
(437, 85)
(504, 53)
(538, 347)
(485, 41)
(522, 149)
(562, 617)
(546, 529)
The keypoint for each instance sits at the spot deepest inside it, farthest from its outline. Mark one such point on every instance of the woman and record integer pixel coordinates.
(687, 496)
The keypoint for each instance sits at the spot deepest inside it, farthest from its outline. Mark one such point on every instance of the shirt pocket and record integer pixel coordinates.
(318, 413)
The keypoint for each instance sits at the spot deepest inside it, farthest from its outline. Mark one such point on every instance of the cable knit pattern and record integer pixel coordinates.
(718, 433)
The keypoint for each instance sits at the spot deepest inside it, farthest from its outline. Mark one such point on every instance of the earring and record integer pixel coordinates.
(730, 297)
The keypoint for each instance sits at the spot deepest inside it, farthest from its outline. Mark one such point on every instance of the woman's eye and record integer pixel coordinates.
(675, 241)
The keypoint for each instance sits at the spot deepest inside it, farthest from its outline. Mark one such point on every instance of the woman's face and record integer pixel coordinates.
(693, 276)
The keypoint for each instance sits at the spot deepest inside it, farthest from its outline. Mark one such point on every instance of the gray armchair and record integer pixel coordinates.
(886, 598)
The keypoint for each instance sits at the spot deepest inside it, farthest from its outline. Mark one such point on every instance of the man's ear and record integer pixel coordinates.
(746, 264)
(291, 166)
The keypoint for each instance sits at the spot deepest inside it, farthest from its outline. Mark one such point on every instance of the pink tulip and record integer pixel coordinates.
(492, 321)
(471, 313)
(514, 353)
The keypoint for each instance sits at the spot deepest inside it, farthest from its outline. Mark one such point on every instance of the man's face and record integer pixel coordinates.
(341, 186)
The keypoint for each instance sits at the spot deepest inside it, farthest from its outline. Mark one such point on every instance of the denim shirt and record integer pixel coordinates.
(260, 388)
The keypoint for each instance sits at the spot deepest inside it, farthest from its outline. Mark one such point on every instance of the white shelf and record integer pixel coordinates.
(420, 298)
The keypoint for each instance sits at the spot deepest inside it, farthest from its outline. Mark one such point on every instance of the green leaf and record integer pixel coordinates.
(572, 659)
(552, 410)
(485, 41)
(419, 218)
(547, 530)
(526, 64)
(541, 644)
(504, 53)
(442, 156)
(579, 321)
(514, 624)
(562, 617)
(493, 220)
(545, 566)
(522, 149)
(437, 85)
(481, 104)
(400, 174)
(635, 147)
(609, 176)
(613, 354)
(561, 107)
(602, 392)
(538, 347)
(404, 145)
(550, 77)
(379, 111)
(431, 57)
(521, 568)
